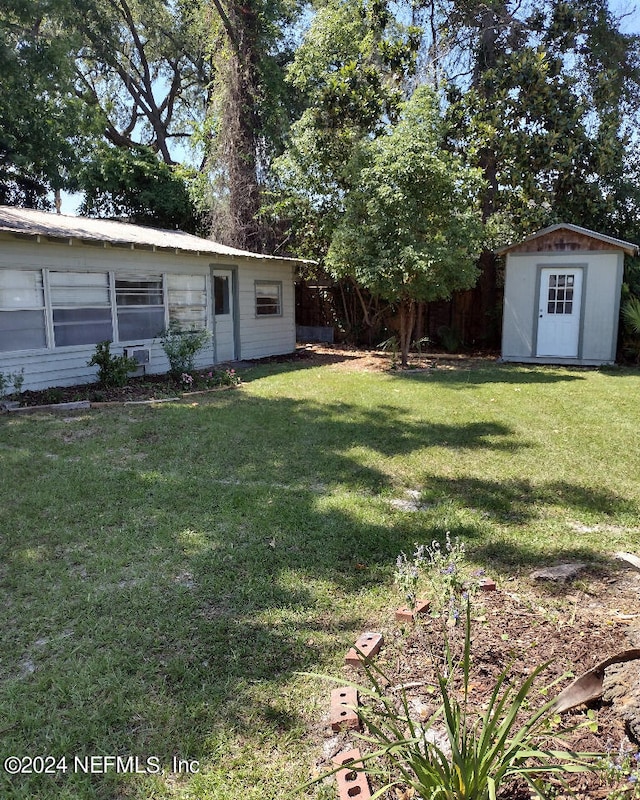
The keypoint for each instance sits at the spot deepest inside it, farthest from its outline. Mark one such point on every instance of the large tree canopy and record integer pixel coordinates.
(279, 99)
(41, 120)
(143, 65)
(411, 230)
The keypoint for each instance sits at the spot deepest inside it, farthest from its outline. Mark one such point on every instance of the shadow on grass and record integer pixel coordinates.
(469, 375)
(202, 557)
(519, 501)
(507, 558)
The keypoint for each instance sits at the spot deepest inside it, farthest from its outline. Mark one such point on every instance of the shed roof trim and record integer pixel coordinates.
(628, 247)
(32, 223)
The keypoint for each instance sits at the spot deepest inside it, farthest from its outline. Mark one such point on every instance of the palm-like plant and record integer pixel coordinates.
(631, 319)
(631, 314)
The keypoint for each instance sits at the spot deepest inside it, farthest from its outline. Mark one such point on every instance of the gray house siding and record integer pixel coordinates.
(54, 365)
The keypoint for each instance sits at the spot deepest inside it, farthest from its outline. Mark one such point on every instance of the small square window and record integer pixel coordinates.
(268, 299)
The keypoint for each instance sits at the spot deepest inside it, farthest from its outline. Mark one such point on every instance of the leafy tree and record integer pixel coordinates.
(541, 110)
(350, 67)
(411, 229)
(143, 66)
(250, 109)
(41, 121)
(135, 184)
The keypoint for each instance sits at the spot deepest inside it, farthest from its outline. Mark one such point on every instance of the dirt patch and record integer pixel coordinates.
(514, 630)
(352, 359)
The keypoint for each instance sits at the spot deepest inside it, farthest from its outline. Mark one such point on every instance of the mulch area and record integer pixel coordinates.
(340, 357)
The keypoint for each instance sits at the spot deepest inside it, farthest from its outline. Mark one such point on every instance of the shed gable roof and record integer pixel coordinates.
(33, 224)
(566, 237)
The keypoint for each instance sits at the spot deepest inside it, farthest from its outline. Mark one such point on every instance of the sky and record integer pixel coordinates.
(631, 23)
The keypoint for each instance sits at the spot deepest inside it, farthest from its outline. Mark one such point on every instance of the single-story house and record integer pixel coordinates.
(562, 296)
(67, 283)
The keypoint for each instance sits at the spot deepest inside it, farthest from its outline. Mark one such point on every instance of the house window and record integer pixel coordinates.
(81, 308)
(187, 301)
(139, 306)
(22, 321)
(221, 294)
(268, 298)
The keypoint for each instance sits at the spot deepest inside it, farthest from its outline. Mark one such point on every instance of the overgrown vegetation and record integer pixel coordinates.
(456, 752)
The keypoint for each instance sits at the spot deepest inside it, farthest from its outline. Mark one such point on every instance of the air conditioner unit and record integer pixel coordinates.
(141, 354)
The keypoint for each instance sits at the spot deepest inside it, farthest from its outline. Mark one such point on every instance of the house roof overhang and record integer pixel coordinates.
(43, 225)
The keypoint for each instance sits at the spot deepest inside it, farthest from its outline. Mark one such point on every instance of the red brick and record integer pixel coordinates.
(487, 585)
(344, 703)
(368, 644)
(406, 614)
(422, 606)
(351, 784)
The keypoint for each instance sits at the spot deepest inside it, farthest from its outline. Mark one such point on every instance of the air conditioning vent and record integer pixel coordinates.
(141, 354)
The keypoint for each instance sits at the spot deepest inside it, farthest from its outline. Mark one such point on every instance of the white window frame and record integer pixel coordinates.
(143, 277)
(278, 294)
(67, 303)
(203, 303)
(175, 294)
(41, 308)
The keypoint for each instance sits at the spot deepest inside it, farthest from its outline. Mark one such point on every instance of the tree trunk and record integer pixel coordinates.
(407, 320)
(236, 222)
(477, 325)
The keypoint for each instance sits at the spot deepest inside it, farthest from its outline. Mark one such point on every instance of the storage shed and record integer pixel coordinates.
(67, 283)
(562, 296)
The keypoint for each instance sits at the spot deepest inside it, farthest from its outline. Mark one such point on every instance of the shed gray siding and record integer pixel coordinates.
(603, 271)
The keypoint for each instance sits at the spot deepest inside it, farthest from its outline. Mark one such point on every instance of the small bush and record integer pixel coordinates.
(112, 370)
(181, 348)
(15, 379)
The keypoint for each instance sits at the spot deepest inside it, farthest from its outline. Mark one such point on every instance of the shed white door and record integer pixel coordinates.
(224, 327)
(559, 312)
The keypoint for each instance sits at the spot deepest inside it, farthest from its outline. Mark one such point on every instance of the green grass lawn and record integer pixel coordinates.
(167, 573)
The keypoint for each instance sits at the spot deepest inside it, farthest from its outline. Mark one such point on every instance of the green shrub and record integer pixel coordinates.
(631, 319)
(15, 379)
(112, 370)
(181, 348)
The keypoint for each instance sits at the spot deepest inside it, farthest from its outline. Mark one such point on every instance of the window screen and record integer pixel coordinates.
(81, 308)
(140, 307)
(22, 324)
